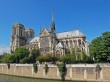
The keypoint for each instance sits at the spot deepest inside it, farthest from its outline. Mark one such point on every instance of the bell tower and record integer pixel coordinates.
(18, 36)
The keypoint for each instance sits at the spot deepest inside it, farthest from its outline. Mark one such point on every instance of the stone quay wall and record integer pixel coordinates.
(80, 72)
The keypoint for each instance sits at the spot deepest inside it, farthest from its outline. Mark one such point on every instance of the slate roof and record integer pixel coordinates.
(74, 33)
(31, 40)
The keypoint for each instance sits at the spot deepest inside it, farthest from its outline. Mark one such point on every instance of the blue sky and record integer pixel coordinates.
(91, 17)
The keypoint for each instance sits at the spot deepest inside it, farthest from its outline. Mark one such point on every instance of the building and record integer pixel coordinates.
(20, 35)
(49, 41)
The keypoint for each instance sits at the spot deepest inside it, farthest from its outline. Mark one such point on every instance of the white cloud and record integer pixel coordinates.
(4, 50)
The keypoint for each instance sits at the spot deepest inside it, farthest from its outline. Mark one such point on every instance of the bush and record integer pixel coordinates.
(5, 58)
(8, 64)
(63, 70)
(40, 59)
(68, 59)
(46, 68)
(35, 67)
(34, 54)
(25, 60)
(47, 58)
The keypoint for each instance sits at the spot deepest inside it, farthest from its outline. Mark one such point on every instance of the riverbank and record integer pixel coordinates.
(75, 72)
(50, 79)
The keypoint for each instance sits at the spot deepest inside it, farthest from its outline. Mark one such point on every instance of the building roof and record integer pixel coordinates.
(74, 33)
(31, 40)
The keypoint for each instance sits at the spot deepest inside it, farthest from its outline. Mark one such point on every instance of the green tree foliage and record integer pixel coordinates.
(47, 58)
(63, 70)
(22, 52)
(8, 64)
(19, 56)
(68, 58)
(35, 67)
(100, 47)
(25, 60)
(13, 58)
(40, 59)
(5, 58)
(46, 69)
(34, 54)
(97, 69)
(77, 56)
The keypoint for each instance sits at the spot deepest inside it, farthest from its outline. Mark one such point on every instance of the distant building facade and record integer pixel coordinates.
(49, 41)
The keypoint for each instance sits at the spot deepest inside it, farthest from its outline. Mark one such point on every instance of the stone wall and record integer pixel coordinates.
(74, 72)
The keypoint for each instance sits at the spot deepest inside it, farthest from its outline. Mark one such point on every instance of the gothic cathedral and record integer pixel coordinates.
(49, 41)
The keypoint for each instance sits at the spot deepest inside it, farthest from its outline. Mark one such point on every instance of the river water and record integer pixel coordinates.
(7, 78)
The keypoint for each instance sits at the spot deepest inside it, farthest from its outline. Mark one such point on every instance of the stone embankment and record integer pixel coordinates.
(80, 72)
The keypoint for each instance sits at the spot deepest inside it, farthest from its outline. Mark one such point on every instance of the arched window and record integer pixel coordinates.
(57, 53)
(75, 42)
(83, 43)
(79, 42)
(66, 43)
(71, 45)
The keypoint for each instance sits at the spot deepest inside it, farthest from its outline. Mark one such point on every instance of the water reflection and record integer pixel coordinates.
(7, 78)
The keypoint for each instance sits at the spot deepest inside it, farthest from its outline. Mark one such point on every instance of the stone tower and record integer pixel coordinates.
(18, 38)
(29, 33)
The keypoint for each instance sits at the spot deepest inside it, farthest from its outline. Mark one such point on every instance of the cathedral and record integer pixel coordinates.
(48, 41)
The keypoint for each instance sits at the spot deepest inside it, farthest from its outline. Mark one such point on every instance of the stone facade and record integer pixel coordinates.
(49, 41)
(20, 35)
(80, 72)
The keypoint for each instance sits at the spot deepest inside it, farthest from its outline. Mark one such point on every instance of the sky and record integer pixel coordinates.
(91, 17)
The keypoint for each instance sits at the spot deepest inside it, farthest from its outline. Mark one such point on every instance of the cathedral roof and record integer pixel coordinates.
(74, 33)
(69, 34)
(31, 40)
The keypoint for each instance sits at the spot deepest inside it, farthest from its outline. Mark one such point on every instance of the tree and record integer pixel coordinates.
(1, 57)
(63, 70)
(100, 47)
(12, 58)
(25, 60)
(34, 54)
(21, 53)
(5, 58)
(40, 59)
(47, 58)
(77, 56)
(68, 58)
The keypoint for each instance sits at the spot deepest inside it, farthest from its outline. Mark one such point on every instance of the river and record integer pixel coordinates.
(7, 78)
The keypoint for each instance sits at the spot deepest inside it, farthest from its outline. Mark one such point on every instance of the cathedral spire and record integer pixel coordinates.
(53, 22)
(52, 15)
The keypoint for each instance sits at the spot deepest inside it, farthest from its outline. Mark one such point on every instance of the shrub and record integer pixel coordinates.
(47, 58)
(35, 67)
(46, 68)
(68, 58)
(25, 60)
(8, 64)
(63, 70)
(40, 59)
